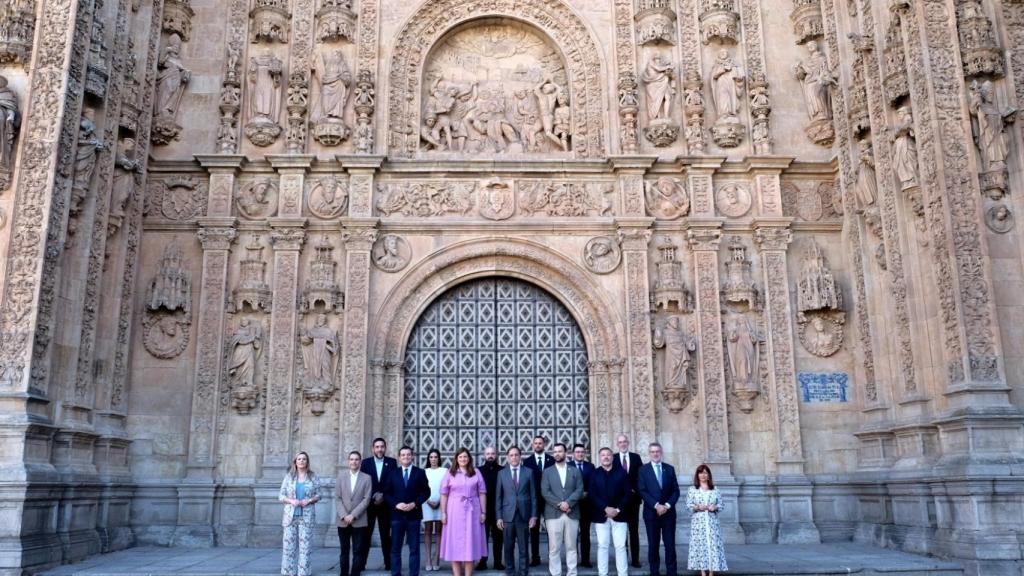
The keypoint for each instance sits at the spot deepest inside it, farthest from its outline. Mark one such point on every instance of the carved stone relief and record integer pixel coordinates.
(252, 290)
(895, 81)
(693, 108)
(265, 91)
(327, 197)
(988, 121)
(167, 318)
(719, 21)
(172, 79)
(820, 315)
(817, 79)
(10, 123)
(178, 198)
(270, 21)
(335, 21)
(97, 71)
(659, 79)
(743, 340)
(364, 106)
(553, 198)
(979, 49)
(244, 350)
(322, 290)
(602, 255)
(177, 18)
(999, 218)
(677, 376)
(320, 354)
(17, 30)
(655, 22)
(426, 198)
(497, 200)
(726, 81)
(738, 287)
(391, 253)
(733, 200)
(806, 18)
(667, 198)
(257, 199)
(760, 109)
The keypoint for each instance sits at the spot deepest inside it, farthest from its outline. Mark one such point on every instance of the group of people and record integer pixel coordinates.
(460, 506)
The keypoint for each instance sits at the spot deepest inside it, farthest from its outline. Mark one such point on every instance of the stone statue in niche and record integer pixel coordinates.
(320, 354)
(328, 197)
(602, 255)
(168, 313)
(547, 93)
(391, 253)
(667, 198)
(999, 219)
(727, 79)
(659, 78)
(264, 103)
(335, 79)
(10, 122)
(988, 122)
(743, 341)
(563, 121)
(866, 187)
(817, 79)
(171, 79)
(820, 315)
(89, 147)
(257, 199)
(126, 166)
(244, 350)
(679, 343)
(905, 149)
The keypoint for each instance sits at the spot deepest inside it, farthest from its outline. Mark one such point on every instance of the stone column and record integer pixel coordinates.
(634, 234)
(358, 234)
(796, 519)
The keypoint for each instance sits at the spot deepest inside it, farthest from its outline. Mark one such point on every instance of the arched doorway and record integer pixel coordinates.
(495, 361)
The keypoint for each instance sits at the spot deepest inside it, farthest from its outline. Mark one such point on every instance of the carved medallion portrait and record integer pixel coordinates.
(602, 255)
(821, 334)
(391, 253)
(328, 197)
(257, 199)
(999, 219)
(667, 198)
(497, 200)
(733, 200)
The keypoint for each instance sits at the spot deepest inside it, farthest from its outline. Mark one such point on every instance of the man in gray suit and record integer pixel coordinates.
(515, 502)
(351, 498)
(562, 489)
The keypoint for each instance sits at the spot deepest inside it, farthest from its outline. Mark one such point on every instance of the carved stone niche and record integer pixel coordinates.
(738, 287)
(820, 315)
(270, 21)
(252, 290)
(978, 46)
(806, 19)
(655, 22)
(513, 99)
(244, 366)
(719, 21)
(177, 18)
(17, 30)
(859, 121)
(895, 81)
(670, 293)
(322, 291)
(676, 339)
(335, 21)
(320, 352)
(96, 71)
(167, 317)
(743, 338)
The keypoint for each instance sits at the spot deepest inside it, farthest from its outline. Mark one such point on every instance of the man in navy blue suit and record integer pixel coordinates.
(659, 490)
(579, 461)
(631, 463)
(405, 490)
(378, 467)
(537, 461)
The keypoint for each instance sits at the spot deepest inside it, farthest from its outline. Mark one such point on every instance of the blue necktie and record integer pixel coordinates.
(657, 473)
(406, 474)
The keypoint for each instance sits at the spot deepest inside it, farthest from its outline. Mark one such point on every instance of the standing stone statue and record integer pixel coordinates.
(171, 79)
(726, 81)
(866, 187)
(677, 344)
(660, 85)
(319, 358)
(264, 99)
(126, 167)
(89, 146)
(905, 149)
(989, 124)
(245, 348)
(10, 120)
(817, 79)
(742, 341)
(563, 121)
(335, 80)
(547, 97)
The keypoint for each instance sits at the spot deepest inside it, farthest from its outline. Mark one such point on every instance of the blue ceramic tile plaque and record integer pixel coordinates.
(824, 386)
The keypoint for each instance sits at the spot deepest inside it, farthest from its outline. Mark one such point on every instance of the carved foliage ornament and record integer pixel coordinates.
(424, 199)
(554, 198)
(10, 123)
(17, 29)
(167, 318)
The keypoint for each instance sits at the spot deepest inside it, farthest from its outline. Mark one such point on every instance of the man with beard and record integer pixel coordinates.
(489, 470)
(537, 461)
(562, 487)
(378, 467)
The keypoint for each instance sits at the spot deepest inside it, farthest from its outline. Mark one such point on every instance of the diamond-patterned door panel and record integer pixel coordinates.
(495, 361)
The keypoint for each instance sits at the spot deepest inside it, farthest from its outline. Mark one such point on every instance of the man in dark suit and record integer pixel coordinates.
(405, 490)
(579, 461)
(537, 461)
(609, 494)
(489, 470)
(659, 490)
(378, 467)
(515, 503)
(631, 463)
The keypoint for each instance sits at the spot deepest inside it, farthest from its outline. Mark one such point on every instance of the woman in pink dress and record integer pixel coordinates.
(463, 501)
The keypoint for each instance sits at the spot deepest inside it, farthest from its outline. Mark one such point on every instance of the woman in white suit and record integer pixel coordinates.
(300, 491)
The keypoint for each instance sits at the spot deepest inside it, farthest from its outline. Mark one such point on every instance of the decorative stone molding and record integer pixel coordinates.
(670, 293)
(17, 31)
(335, 21)
(655, 22)
(177, 18)
(719, 21)
(806, 19)
(270, 21)
(979, 49)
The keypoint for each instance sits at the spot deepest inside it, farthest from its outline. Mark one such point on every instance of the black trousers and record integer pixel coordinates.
(497, 540)
(535, 543)
(351, 539)
(633, 522)
(379, 515)
(661, 529)
(584, 538)
(515, 541)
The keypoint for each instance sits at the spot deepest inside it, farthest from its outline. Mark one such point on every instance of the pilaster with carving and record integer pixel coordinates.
(17, 31)
(359, 234)
(300, 64)
(635, 236)
(230, 104)
(753, 47)
(362, 170)
(625, 64)
(364, 95)
(692, 77)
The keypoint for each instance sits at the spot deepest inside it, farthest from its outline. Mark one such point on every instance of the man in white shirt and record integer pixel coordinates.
(562, 488)
(631, 463)
(351, 500)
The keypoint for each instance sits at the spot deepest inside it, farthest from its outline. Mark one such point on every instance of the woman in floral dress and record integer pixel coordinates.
(300, 491)
(705, 502)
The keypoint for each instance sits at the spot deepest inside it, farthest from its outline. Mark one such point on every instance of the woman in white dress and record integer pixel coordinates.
(705, 502)
(432, 510)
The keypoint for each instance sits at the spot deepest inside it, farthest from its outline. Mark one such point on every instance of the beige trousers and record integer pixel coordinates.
(563, 532)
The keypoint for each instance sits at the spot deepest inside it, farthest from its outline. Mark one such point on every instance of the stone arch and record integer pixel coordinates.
(434, 19)
(602, 326)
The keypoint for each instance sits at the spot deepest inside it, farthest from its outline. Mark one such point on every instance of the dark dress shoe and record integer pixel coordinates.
(481, 565)
(499, 566)
(586, 565)
(534, 562)
(637, 565)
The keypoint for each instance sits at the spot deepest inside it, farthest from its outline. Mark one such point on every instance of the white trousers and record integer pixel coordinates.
(563, 532)
(613, 531)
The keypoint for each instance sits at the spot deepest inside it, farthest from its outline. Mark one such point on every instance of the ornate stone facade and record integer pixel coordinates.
(682, 218)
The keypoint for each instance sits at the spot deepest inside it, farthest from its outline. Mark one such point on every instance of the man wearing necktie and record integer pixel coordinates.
(405, 491)
(631, 463)
(537, 461)
(579, 460)
(516, 508)
(659, 490)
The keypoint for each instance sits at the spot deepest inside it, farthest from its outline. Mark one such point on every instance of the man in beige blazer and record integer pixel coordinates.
(351, 497)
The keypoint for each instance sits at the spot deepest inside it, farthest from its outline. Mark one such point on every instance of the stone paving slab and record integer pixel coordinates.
(746, 560)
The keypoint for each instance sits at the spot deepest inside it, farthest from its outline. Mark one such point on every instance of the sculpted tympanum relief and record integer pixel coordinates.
(495, 88)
